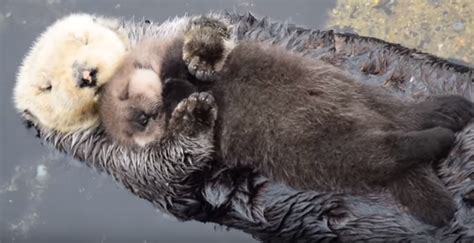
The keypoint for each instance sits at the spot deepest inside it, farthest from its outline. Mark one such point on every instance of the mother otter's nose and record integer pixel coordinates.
(85, 76)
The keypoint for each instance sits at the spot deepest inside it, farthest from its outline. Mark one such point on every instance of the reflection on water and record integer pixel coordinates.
(32, 183)
(46, 197)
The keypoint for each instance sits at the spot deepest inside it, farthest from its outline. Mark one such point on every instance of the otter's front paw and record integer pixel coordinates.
(449, 111)
(206, 46)
(194, 115)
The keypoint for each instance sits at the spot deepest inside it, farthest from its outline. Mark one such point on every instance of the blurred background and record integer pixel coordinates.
(47, 197)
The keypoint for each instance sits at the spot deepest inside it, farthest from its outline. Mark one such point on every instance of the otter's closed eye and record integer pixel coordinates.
(45, 87)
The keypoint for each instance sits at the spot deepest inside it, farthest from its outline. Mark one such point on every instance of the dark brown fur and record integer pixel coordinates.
(305, 123)
(308, 124)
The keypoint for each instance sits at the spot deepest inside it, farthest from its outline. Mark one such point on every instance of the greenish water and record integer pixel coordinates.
(440, 27)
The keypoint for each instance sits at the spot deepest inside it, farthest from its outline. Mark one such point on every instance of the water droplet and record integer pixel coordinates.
(41, 173)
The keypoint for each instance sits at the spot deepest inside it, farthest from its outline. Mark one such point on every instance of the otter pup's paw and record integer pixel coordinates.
(449, 111)
(206, 46)
(194, 115)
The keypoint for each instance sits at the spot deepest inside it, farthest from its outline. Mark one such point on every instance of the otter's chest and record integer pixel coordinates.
(259, 124)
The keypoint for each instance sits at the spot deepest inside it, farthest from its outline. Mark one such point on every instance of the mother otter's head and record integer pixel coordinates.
(59, 79)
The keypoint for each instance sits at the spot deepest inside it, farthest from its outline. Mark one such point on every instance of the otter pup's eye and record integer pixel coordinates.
(140, 120)
(143, 120)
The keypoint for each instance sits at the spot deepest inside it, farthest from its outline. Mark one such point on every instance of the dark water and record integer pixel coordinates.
(47, 197)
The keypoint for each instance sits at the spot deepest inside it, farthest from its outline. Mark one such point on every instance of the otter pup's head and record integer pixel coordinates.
(58, 82)
(136, 103)
(131, 107)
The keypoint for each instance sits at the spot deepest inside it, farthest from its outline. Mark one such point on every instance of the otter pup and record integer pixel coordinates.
(305, 123)
(136, 103)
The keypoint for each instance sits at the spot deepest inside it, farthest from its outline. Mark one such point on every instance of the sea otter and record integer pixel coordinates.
(271, 211)
(301, 121)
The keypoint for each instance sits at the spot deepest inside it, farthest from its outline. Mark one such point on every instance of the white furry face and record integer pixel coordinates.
(49, 89)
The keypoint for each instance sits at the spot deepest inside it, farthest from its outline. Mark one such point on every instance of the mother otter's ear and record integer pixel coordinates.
(60, 76)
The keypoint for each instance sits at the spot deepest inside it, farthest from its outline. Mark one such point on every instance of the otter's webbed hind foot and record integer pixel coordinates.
(424, 196)
(206, 46)
(448, 111)
(417, 187)
(425, 145)
(195, 116)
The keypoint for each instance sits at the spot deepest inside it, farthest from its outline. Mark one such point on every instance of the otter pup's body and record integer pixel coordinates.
(305, 123)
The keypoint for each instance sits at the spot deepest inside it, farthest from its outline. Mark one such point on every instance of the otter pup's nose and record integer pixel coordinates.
(85, 76)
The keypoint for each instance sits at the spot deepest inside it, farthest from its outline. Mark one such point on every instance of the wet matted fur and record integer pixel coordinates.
(240, 198)
(298, 120)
